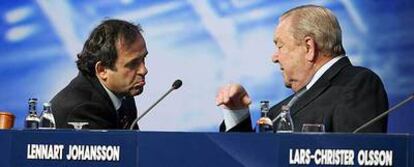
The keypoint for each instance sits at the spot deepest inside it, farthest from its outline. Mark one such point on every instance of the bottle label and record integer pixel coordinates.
(32, 124)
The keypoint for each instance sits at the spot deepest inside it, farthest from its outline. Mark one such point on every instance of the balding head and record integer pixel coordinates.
(318, 23)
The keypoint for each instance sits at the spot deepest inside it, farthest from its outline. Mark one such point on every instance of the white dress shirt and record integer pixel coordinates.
(116, 101)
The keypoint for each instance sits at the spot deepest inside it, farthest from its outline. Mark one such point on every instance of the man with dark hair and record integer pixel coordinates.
(312, 60)
(112, 71)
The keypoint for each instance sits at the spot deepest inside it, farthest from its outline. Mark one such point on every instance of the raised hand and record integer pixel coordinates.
(233, 97)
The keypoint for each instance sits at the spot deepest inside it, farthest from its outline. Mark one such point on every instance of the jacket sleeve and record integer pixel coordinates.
(243, 126)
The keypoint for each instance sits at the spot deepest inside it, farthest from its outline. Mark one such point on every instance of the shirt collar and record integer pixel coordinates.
(322, 70)
(116, 101)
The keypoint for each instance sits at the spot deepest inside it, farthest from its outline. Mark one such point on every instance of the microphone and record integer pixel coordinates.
(384, 114)
(177, 84)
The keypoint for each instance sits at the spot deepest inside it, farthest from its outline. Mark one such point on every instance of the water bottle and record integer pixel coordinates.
(284, 122)
(47, 120)
(32, 120)
(265, 124)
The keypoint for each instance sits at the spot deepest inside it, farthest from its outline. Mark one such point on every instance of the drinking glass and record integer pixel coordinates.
(312, 128)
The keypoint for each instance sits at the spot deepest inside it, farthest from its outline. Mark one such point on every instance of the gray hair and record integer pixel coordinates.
(318, 23)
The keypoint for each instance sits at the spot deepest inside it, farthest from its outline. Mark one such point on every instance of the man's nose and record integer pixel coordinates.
(142, 70)
(275, 57)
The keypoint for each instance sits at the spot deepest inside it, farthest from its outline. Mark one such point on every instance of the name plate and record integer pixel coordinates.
(76, 148)
(73, 152)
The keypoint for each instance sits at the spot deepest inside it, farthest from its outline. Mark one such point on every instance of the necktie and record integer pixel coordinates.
(123, 115)
(296, 96)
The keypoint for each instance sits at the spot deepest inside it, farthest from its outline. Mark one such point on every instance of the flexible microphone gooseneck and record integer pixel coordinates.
(291, 102)
(384, 114)
(177, 84)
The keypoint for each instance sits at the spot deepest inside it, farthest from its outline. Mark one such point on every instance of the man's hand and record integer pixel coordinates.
(233, 97)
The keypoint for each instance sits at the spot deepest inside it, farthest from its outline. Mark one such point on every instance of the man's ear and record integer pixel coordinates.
(311, 49)
(101, 71)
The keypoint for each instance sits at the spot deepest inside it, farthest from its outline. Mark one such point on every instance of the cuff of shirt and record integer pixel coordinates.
(234, 117)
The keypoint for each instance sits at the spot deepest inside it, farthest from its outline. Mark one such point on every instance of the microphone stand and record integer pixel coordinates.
(384, 114)
(177, 84)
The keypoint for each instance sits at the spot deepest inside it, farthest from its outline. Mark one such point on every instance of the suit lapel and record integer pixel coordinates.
(320, 86)
(101, 91)
(309, 96)
(129, 104)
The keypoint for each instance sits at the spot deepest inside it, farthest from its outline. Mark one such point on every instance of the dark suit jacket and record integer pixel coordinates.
(85, 100)
(344, 98)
